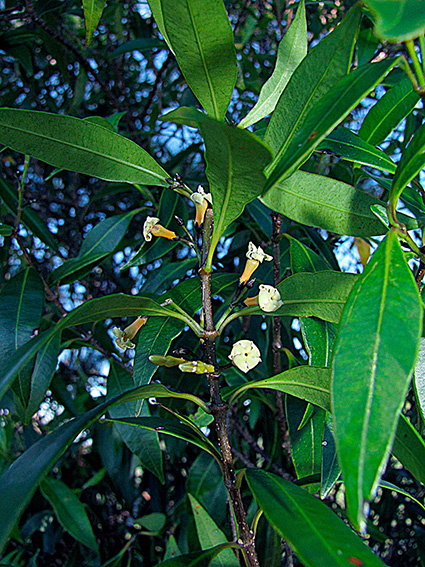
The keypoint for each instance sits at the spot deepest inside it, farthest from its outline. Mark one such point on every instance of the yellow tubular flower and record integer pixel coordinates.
(201, 200)
(245, 355)
(255, 256)
(152, 228)
(123, 338)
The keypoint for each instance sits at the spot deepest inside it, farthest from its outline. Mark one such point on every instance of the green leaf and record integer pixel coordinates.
(419, 379)
(291, 51)
(5, 229)
(397, 21)
(156, 8)
(21, 479)
(388, 112)
(197, 558)
(143, 443)
(390, 486)
(330, 466)
(69, 511)
(308, 383)
(159, 280)
(326, 203)
(141, 44)
(315, 533)
(42, 374)
(323, 67)
(235, 163)
(347, 145)
(339, 101)
(411, 163)
(210, 535)
(99, 243)
(201, 38)
(172, 427)
(92, 13)
(306, 440)
(409, 449)
(78, 145)
(383, 321)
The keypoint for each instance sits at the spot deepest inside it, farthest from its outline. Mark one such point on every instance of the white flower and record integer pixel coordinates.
(254, 258)
(245, 355)
(152, 227)
(201, 200)
(257, 253)
(269, 298)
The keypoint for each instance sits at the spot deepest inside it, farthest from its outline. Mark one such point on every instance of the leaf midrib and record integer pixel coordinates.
(52, 139)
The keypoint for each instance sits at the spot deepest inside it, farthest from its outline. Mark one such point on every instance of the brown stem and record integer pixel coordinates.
(219, 410)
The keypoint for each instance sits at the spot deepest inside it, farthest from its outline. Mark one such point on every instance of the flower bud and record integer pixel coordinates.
(123, 338)
(167, 361)
(245, 355)
(197, 366)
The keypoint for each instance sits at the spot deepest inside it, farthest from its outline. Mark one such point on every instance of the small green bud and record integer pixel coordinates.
(168, 361)
(197, 366)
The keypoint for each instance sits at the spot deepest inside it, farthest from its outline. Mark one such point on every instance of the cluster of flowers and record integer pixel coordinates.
(245, 355)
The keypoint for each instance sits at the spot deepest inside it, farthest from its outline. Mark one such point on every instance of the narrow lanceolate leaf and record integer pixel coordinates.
(411, 163)
(397, 21)
(209, 535)
(382, 321)
(156, 8)
(419, 379)
(308, 383)
(18, 483)
(99, 243)
(314, 532)
(201, 38)
(409, 449)
(69, 511)
(330, 466)
(92, 13)
(347, 145)
(326, 114)
(323, 67)
(235, 163)
(388, 112)
(291, 51)
(78, 145)
(326, 203)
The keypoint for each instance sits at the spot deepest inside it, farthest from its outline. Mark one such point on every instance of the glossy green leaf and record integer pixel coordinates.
(78, 145)
(388, 112)
(384, 324)
(291, 51)
(397, 21)
(69, 511)
(235, 163)
(323, 67)
(419, 379)
(143, 443)
(172, 427)
(6, 229)
(339, 101)
(210, 535)
(156, 8)
(411, 163)
(330, 466)
(308, 383)
(304, 259)
(196, 558)
(351, 147)
(161, 279)
(201, 38)
(314, 532)
(409, 449)
(99, 243)
(19, 482)
(390, 486)
(326, 203)
(306, 440)
(42, 374)
(92, 13)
